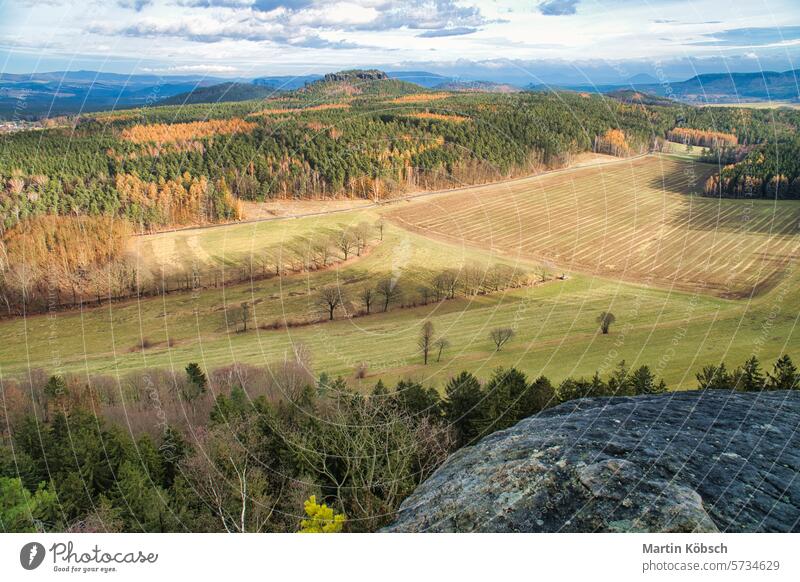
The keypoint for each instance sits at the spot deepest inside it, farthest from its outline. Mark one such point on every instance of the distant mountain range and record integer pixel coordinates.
(62, 93)
(477, 87)
(707, 88)
(31, 96)
(731, 87)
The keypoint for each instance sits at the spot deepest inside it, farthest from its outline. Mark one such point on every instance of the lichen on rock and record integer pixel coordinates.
(701, 461)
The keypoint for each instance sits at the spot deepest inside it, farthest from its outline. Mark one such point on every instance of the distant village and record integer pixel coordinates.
(12, 126)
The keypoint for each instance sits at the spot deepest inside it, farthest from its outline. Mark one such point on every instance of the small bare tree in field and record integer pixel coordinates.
(389, 290)
(330, 297)
(345, 242)
(245, 314)
(380, 225)
(320, 252)
(425, 340)
(367, 297)
(500, 336)
(605, 319)
(441, 344)
(361, 237)
(424, 294)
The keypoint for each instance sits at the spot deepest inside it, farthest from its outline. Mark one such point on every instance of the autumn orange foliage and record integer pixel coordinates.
(298, 110)
(420, 97)
(160, 133)
(175, 202)
(613, 142)
(700, 137)
(440, 117)
(46, 259)
(326, 106)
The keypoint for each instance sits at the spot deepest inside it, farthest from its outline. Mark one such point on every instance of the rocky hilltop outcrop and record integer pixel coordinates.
(679, 462)
(355, 75)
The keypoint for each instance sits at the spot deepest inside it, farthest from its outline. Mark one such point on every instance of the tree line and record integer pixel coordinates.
(50, 263)
(433, 287)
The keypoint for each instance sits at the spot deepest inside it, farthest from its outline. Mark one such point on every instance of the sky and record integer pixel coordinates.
(500, 40)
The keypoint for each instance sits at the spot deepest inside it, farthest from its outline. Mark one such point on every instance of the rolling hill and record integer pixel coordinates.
(356, 82)
(725, 87)
(706, 88)
(31, 96)
(224, 92)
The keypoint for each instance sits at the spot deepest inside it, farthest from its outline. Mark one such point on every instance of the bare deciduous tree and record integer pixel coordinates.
(245, 314)
(441, 345)
(389, 290)
(444, 284)
(235, 489)
(330, 297)
(500, 336)
(367, 297)
(361, 236)
(425, 340)
(320, 252)
(372, 455)
(425, 294)
(345, 241)
(472, 279)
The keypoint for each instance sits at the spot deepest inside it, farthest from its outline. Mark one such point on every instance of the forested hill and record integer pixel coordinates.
(729, 87)
(223, 92)
(757, 149)
(350, 135)
(353, 134)
(766, 85)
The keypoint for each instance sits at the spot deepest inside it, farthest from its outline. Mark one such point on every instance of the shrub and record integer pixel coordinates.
(361, 370)
(321, 518)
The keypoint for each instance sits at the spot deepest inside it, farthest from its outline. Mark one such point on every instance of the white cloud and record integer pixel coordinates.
(280, 34)
(181, 69)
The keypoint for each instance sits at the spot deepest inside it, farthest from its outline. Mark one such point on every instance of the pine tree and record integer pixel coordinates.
(784, 375)
(197, 377)
(620, 383)
(750, 378)
(465, 407)
(714, 378)
(504, 399)
(644, 382)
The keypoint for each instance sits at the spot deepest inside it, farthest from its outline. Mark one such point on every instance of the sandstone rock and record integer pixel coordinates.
(679, 462)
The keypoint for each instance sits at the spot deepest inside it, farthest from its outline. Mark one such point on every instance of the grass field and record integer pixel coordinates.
(674, 331)
(639, 221)
(680, 150)
(204, 249)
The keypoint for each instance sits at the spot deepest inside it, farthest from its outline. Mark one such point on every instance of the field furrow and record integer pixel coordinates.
(637, 219)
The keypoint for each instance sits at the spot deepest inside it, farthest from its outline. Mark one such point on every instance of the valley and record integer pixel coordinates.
(673, 267)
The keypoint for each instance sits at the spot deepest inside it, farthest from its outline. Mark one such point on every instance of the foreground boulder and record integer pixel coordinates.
(680, 462)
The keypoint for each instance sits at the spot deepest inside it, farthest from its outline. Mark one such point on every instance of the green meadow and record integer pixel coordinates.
(556, 333)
